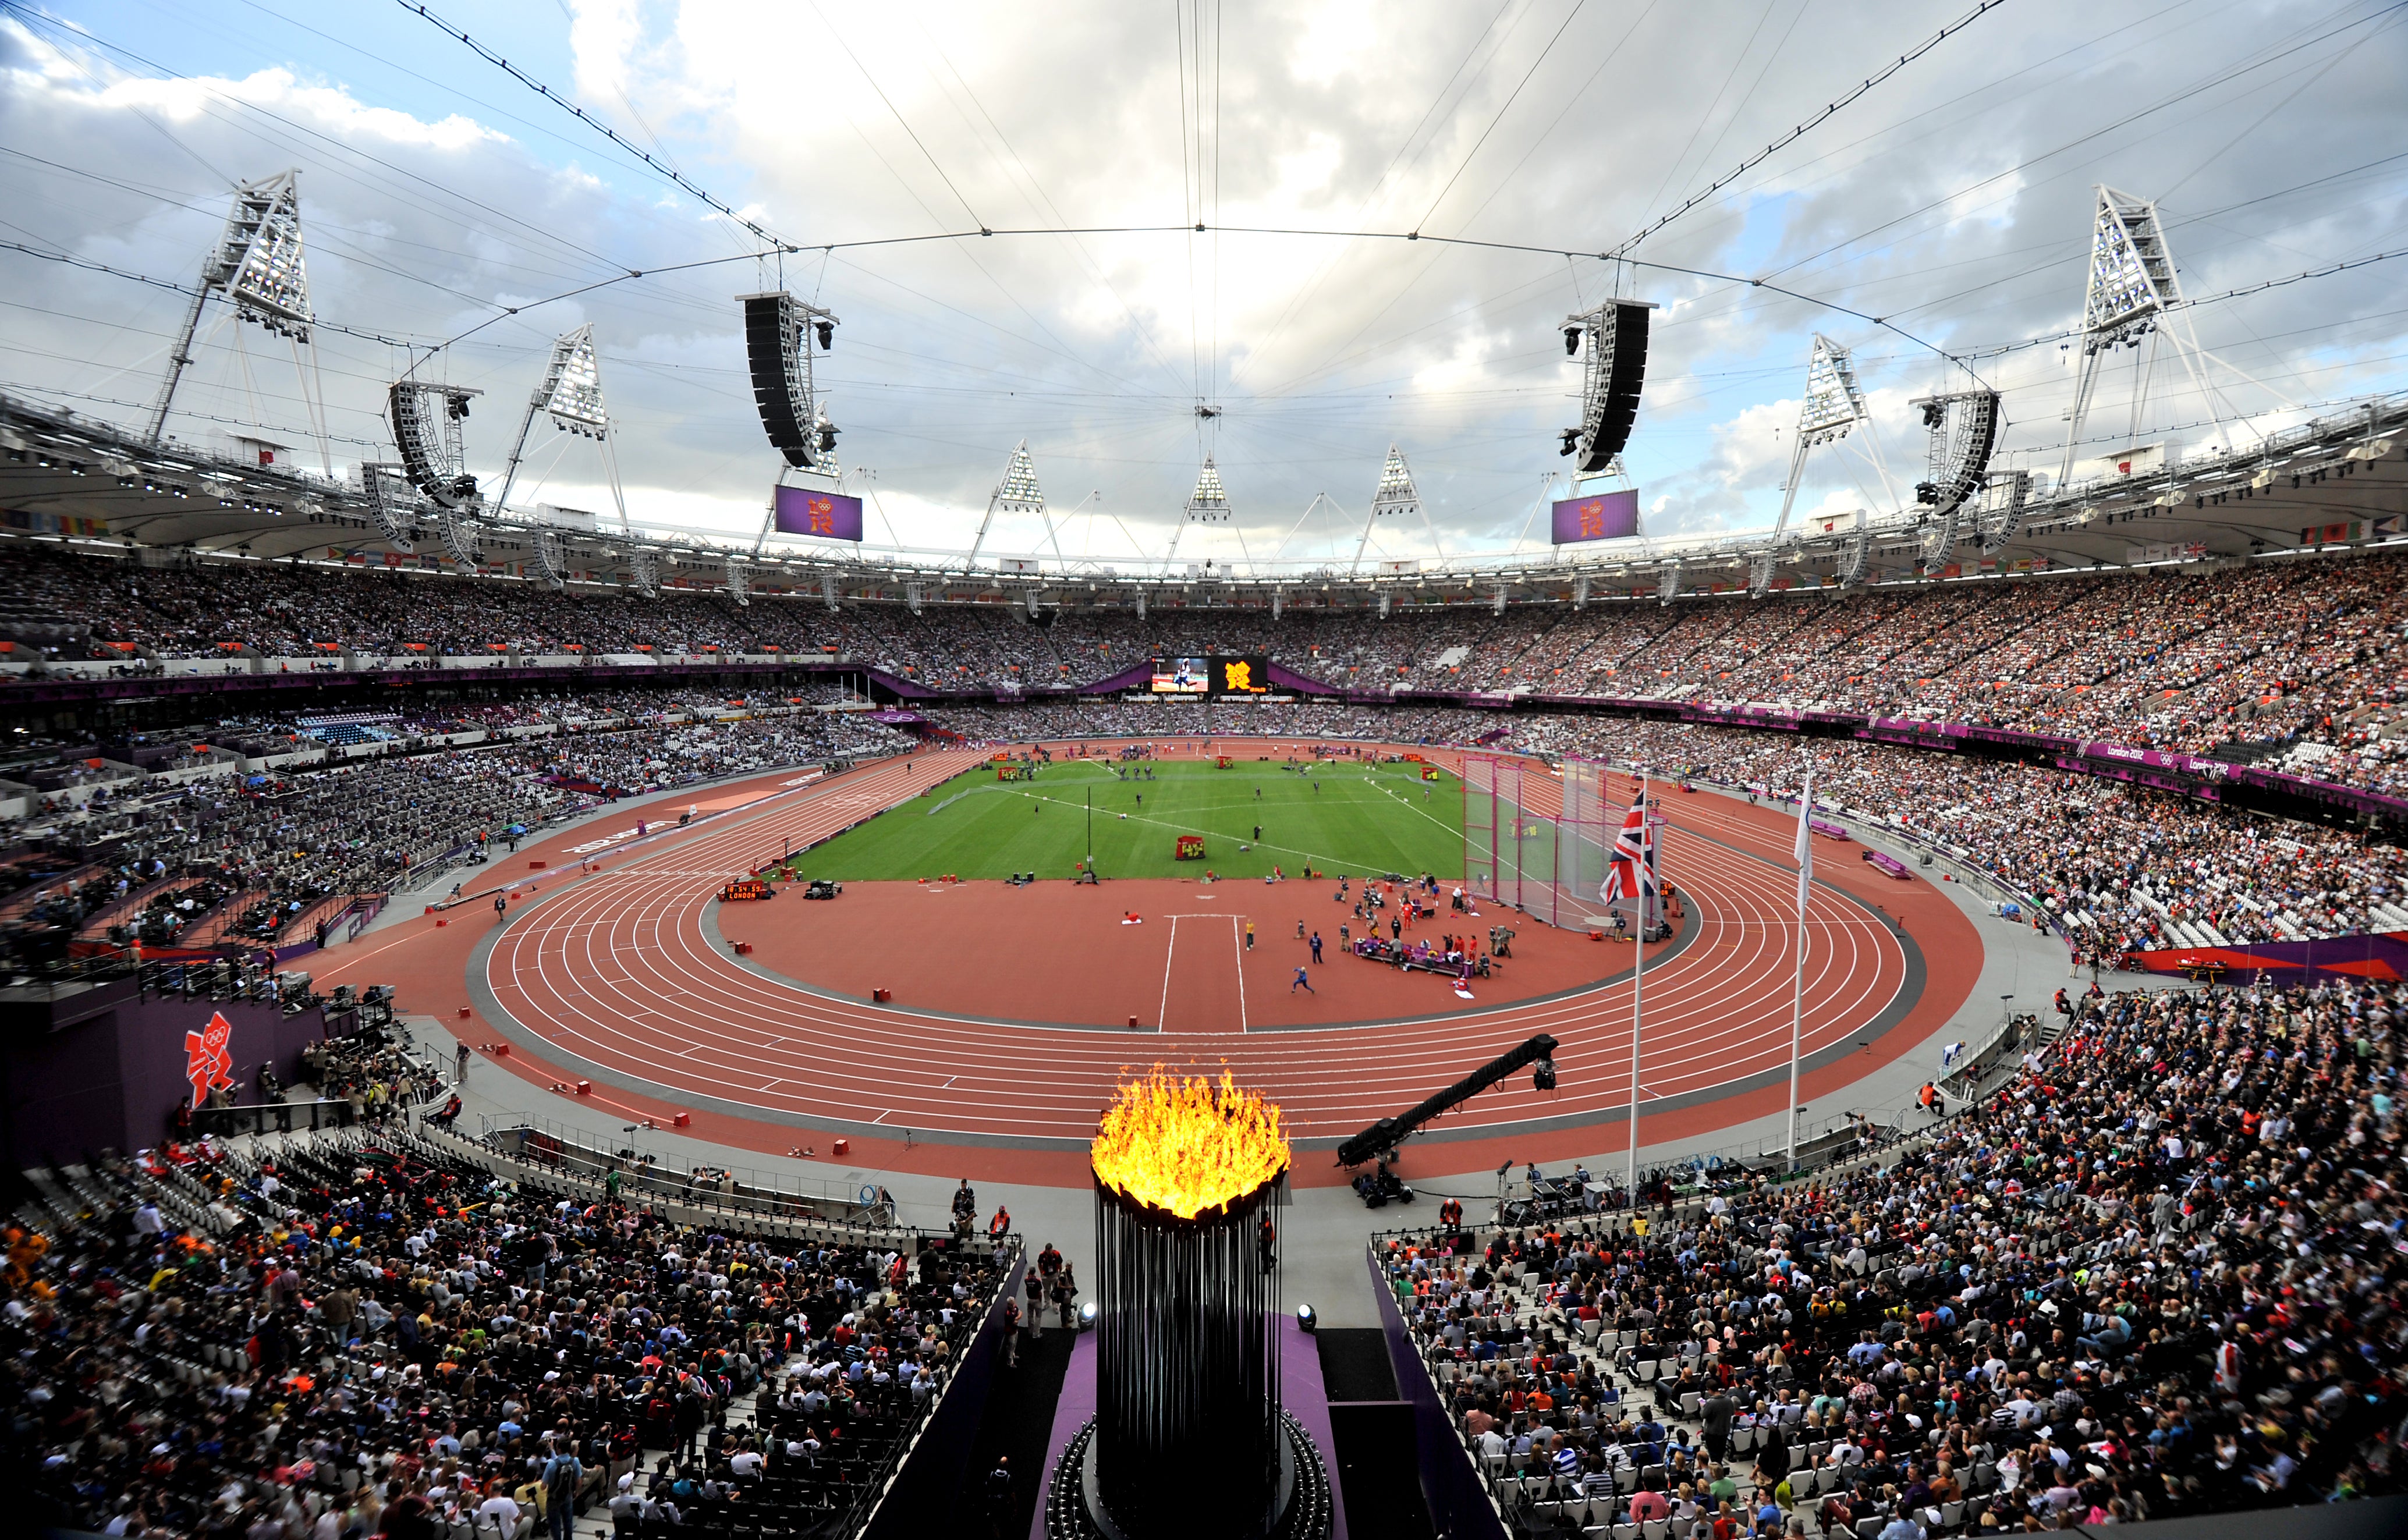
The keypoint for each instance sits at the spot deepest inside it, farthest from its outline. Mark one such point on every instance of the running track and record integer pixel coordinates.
(613, 977)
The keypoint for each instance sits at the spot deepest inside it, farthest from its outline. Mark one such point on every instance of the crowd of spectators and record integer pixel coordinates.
(2156, 1274)
(384, 1337)
(2117, 867)
(2258, 658)
(253, 857)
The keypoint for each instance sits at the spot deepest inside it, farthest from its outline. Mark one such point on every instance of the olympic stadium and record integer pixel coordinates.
(1565, 771)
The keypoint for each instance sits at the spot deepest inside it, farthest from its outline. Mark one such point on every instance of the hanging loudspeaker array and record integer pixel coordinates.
(426, 428)
(776, 345)
(393, 505)
(1963, 430)
(1855, 557)
(1759, 574)
(2002, 514)
(459, 538)
(1616, 334)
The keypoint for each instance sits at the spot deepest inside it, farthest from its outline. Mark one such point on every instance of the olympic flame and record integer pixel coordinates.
(1187, 1144)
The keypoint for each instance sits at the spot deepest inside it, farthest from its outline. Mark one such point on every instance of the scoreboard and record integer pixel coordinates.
(1246, 674)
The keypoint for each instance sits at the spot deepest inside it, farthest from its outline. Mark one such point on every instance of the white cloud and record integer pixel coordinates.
(1940, 200)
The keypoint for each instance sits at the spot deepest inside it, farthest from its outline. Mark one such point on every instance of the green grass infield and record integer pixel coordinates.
(1334, 817)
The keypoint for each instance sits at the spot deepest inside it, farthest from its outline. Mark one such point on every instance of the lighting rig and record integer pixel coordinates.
(571, 395)
(258, 265)
(1015, 492)
(1394, 497)
(1207, 505)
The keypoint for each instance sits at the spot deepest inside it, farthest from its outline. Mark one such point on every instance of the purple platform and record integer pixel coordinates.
(1301, 1391)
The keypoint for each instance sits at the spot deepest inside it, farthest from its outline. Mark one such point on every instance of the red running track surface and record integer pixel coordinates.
(1055, 952)
(612, 976)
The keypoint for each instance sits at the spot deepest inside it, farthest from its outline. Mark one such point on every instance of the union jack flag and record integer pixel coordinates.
(1632, 875)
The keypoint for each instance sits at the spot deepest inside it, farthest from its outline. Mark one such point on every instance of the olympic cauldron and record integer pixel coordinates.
(1188, 1438)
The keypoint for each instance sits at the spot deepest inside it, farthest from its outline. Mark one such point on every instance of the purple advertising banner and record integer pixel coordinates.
(1607, 516)
(819, 515)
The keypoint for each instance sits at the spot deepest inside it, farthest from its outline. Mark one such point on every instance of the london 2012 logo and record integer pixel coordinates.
(208, 1063)
(1236, 676)
(822, 513)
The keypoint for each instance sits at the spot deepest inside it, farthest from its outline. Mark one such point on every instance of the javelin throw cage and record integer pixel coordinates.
(1540, 836)
(1189, 1438)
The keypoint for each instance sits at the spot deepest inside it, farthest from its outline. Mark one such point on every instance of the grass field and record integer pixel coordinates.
(1361, 819)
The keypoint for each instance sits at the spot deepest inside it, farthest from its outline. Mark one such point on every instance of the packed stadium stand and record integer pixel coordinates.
(2151, 1272)
(2266, 658)
(245, 818)
(208, 1341)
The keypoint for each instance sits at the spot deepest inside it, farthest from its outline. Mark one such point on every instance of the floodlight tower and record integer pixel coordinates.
(258, 265)
(1016, 492)
(1396, 496)
(571, 395)
(1207, 505)
(1833, 408)
(2133, 297)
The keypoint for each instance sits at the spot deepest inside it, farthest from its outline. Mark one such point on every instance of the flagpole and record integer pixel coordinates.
(1798, 984)
(1638, 975)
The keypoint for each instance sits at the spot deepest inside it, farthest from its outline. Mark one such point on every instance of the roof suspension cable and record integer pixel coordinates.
(1801, 130)
(594, 121)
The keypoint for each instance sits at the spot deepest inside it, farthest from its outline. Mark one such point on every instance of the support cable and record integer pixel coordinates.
(1801, 130)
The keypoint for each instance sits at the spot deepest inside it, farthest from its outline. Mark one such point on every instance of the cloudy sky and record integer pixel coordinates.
(1953, 199)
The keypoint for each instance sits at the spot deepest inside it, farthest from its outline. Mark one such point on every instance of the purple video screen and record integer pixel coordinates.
(818, 515)
(1607, 516)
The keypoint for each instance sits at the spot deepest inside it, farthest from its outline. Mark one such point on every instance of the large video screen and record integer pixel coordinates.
(1183, 677)
(1607, 516)
(1248, 674)
(821, 515)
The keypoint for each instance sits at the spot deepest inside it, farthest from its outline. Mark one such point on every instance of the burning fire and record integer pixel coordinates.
(1188, 1145)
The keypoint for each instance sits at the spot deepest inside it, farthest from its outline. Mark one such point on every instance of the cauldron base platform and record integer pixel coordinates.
(1074, 1504)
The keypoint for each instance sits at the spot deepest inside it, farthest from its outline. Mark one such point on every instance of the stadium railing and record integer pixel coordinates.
(575, 1153)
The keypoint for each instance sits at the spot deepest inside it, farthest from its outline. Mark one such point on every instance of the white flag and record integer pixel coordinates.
(1805, 852)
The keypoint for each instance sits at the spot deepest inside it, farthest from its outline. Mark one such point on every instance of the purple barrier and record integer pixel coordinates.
(101, 1069)
(1451, 1488)
(2381, 956)
(1887, 865)
(1828, 831)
